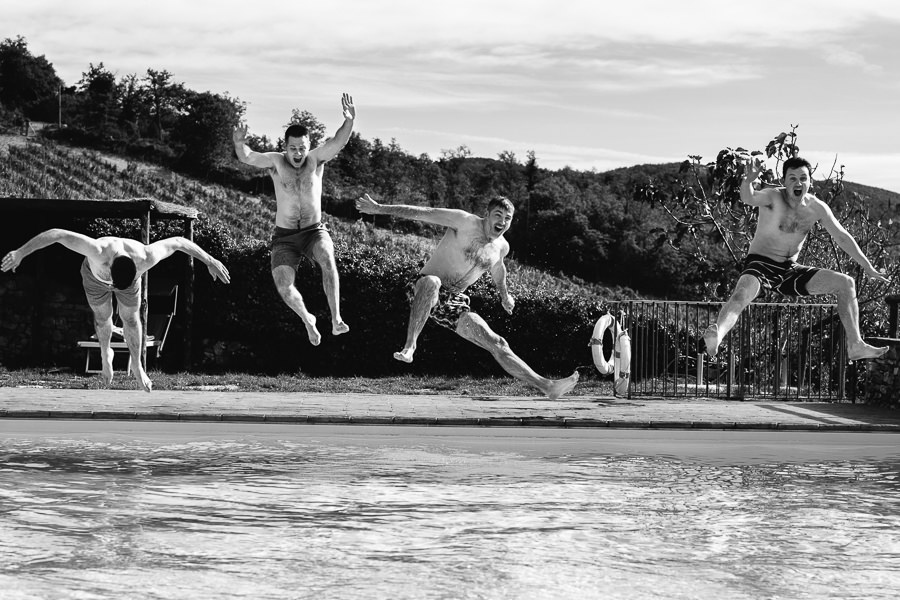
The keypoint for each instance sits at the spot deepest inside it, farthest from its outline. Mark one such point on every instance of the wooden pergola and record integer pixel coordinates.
(144, 209)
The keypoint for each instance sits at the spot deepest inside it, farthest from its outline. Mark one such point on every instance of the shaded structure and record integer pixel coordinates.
(145, 210)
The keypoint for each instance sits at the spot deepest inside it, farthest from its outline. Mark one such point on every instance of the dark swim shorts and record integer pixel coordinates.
(788, 278)
(289, 246)
(99, 292)
(449, 308)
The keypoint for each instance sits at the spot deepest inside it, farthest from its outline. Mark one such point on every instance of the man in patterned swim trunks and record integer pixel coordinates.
(470, 247)
(297, 174)
(786, 215)
(113, 267)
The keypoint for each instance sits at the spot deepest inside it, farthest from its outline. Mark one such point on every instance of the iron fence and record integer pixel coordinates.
(775, 351)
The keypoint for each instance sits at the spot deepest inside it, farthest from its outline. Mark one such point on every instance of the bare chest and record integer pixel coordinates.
(302, 182)
(796, 221)
(481, 253)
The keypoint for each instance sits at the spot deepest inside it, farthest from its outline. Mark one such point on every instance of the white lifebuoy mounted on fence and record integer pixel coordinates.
(622, 363)
(603, 323)
(619, 364)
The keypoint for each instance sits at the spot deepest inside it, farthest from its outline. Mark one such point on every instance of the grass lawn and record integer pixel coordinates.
(590, 384)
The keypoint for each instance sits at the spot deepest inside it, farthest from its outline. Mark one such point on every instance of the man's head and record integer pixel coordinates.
(296, 143)
(123, 271)
(499, 216)
(796, 176)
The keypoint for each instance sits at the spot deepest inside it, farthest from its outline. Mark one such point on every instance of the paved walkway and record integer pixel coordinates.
(377, 409)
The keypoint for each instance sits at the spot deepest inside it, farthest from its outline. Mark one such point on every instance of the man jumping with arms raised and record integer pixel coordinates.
(470, 247)
(114, 265)
(786, 216)
(299, 231)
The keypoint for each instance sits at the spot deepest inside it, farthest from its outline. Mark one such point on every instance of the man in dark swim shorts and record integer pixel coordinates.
(297, 173)
(788, 277)
(786, 216)
(289, 246)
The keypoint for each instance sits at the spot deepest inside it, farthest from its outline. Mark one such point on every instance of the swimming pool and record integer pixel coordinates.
(193, 510)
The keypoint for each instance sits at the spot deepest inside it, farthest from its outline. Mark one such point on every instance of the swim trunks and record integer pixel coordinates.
(449, 308)
(290, 245)
(99, 292)
(788, 278)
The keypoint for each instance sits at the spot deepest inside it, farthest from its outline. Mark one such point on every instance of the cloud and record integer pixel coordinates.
(844, 57)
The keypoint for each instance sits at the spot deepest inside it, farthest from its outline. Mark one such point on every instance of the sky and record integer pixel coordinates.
(588, 84)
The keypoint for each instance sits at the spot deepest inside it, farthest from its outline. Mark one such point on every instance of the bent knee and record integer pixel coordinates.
(428, 284)
(284, 279)
(846, 284)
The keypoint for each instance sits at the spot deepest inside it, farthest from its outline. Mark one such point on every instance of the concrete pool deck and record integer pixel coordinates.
(440, 410)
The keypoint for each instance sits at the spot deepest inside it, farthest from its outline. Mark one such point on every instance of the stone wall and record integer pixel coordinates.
(882, 380)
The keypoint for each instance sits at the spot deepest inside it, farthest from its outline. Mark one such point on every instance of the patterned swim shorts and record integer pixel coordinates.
(788, 278)
(449, 308)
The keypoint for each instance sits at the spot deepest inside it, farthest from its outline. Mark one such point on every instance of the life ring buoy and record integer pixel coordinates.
(605, 322)
(622, 363)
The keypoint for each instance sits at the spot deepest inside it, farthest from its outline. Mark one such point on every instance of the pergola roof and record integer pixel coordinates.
(132, 207)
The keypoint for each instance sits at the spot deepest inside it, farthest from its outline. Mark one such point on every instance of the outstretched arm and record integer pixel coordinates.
(498, 274)
(263, 160)
(77, 242)
(448, 217)
(333, 145)
(846, 242)
(157, 251)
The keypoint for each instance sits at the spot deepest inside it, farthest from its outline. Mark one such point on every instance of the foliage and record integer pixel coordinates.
(714, 228)
(28, 83)
(668, 231)
(246, 325)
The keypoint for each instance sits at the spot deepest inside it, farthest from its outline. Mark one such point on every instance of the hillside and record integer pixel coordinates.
(36, 170)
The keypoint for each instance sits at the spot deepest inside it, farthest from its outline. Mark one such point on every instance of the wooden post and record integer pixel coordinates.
(188, 297)
(145, 238)
(892, 301)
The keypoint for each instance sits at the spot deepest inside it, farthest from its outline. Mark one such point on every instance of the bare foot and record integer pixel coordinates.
(339, 328)
(711, 338)
(142, 378)
(314, 336)
(862, 351)
(106, 371)
(405, 355)
(562, 386)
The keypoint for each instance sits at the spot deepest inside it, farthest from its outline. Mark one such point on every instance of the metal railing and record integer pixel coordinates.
(775, 351)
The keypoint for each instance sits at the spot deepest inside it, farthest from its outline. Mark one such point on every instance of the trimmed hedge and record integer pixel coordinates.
(246, 326)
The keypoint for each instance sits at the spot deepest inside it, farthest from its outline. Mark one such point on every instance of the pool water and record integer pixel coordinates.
(161, 510)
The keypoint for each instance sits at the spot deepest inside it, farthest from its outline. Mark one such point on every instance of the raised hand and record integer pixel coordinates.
(366, 205)
(347, 107)
(240, 134)
(754, 168)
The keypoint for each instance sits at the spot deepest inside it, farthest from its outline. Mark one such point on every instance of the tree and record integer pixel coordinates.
(164, 97)
(204, 130)
(133, 104)
(98, 99)
(28, 84)
(317, 131)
